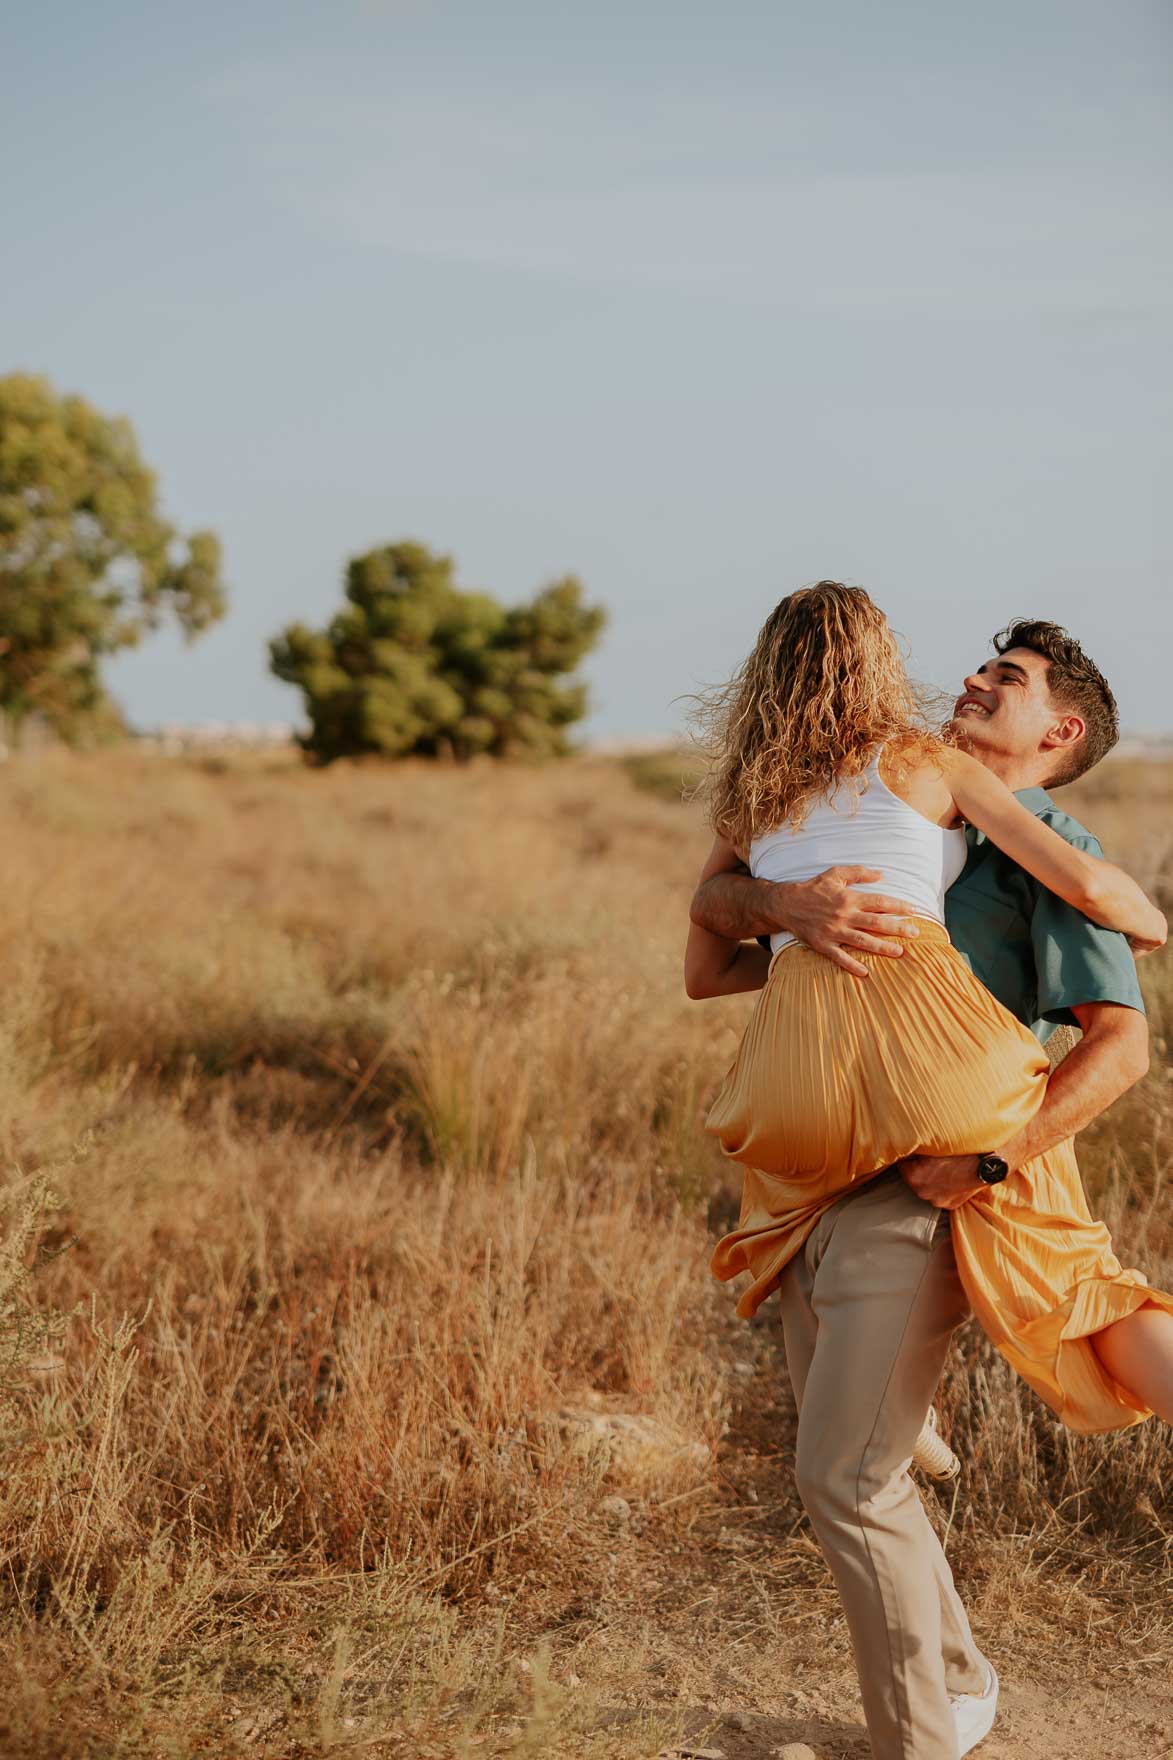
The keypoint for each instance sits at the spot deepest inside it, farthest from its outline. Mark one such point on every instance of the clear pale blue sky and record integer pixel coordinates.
(701, 302)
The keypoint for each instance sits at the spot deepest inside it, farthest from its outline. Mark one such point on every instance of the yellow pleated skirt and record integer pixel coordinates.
(837, 1077)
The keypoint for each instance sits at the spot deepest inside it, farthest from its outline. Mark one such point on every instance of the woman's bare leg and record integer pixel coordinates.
(1138, 1352)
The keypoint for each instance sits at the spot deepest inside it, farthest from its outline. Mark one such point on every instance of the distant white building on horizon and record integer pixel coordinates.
(174, 737)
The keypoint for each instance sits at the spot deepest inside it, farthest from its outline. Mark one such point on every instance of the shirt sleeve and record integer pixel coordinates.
(1077, 962)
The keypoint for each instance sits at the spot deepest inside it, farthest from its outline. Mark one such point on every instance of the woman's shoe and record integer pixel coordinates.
(932, 1453)
(974, 1713)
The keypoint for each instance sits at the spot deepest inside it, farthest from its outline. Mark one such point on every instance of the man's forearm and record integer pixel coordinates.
(1106, 1062)
(825, 913)
(1111, 1056)
(738, 907)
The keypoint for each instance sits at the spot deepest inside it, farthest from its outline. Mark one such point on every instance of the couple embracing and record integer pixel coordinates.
(906, 1149)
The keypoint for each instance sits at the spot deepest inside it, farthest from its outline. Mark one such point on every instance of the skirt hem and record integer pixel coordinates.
(1091, 1307)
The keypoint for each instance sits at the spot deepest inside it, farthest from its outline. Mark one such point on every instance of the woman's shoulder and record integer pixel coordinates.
(913, 754)
(917, 767)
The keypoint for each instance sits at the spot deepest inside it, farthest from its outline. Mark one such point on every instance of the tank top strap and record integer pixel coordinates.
(872, 767)
(861, 783)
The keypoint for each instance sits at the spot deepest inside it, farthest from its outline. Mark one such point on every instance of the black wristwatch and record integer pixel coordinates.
(991, 1169)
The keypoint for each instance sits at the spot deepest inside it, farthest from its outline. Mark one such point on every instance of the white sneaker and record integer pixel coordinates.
(932, 1453)
(974, 1713)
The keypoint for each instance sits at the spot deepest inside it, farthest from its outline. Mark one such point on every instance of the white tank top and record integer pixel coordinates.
(863, 824)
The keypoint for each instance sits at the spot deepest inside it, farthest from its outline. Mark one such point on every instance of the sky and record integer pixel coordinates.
(700, 303)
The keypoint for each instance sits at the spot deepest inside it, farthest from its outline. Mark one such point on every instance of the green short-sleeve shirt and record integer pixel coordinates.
(1039, 956)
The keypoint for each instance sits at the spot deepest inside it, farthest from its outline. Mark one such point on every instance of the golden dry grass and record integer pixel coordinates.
(374, 1105)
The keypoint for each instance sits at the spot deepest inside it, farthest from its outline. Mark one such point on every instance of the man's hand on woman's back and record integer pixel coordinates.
(825, 913)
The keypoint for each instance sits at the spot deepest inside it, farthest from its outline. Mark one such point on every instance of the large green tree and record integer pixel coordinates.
(87, 562)
(413, 664)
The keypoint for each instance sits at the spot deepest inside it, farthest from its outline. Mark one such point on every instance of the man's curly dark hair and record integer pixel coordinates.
(1076, 684)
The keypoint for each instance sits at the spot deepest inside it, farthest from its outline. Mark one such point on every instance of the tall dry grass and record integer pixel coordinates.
(373, 1104)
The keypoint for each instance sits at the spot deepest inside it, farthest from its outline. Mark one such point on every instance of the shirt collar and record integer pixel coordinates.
(1035, 800)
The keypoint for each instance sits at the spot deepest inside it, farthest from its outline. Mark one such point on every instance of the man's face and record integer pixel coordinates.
(1006, 706)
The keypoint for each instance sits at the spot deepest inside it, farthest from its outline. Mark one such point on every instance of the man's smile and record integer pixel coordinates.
(972, 706)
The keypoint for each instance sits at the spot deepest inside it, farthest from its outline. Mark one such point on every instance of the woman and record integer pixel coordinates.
(824, 757)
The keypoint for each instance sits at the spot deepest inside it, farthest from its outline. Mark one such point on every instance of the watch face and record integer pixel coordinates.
(992, 1169)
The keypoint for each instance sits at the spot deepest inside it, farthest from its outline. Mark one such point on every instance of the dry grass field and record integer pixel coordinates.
(396, 1412)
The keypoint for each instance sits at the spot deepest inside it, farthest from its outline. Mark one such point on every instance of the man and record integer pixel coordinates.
(866, 1316)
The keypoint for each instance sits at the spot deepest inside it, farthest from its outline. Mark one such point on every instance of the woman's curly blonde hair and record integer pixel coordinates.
(823, 687)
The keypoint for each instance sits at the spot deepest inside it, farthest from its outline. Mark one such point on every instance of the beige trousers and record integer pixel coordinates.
(867, 1309)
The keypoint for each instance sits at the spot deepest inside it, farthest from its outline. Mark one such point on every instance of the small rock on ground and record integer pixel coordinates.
(638, 1439)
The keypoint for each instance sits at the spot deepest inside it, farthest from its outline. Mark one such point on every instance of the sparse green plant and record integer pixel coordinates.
(672, 773)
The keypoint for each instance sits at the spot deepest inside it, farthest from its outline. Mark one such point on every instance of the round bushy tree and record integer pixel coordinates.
(87, 562)
(413, 664)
